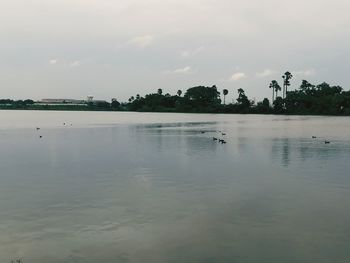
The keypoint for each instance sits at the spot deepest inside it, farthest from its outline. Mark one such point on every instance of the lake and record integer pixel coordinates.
(155, 187)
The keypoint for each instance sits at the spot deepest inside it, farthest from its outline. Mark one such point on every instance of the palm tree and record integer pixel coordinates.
(273, 91)
(275, 88)
(286, 83)
(179, 92)
(160, 91)
(225, 92)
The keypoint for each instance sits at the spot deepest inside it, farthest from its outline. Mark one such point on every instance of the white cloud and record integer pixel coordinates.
(265, 73)
(141, 41)
(185, 70)
(304, 73)
(237, 76)
(75, 64)
(190, 53)
(53, 61)
(68, 63)
(185, 54)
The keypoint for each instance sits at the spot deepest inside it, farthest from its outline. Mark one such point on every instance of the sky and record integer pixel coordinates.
(118, 48)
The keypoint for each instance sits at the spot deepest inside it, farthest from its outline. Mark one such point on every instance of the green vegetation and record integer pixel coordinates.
(30, 105)
(16, 104)
(308, 99)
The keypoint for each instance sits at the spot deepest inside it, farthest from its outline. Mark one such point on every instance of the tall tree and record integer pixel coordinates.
(266, 103)
(179, 93)
(286, 82)
(275, 89)
(201, 95)
(242, 99)
(115, 104)
(160, 91)
(225, 92)
(307, 87)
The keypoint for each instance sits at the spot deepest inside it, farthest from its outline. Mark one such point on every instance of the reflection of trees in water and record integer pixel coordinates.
(189, 142)
(285, 152)
(242, 139)
(280, 150)
(304, 150)
(176, 156)
(242, 145)
(200, 145)
(321, 151)
(180, 137)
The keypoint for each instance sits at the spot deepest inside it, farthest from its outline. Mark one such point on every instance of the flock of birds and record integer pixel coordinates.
(38, 128)
(325, 142)
(222, 141)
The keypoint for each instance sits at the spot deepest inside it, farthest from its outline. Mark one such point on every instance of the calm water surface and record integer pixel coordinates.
(133, 187)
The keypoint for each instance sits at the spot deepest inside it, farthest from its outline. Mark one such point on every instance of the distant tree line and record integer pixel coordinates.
(307, 99)
(321, 99)
(16, 103)
(31, 105)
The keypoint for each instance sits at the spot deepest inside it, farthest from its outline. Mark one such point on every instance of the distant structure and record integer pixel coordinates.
(89, 101)
(61, 101)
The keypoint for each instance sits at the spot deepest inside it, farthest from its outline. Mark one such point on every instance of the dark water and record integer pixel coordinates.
(128, 187)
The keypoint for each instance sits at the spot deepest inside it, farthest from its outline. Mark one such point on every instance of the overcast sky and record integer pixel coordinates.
(117, 48)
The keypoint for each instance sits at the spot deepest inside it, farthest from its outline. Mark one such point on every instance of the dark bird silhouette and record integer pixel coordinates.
(220, 140)
(223, 134)
(202, 131)
(64, 123)
(314, 137)
(40, 136)
(215, 139)
(327, 142)
(37, 128)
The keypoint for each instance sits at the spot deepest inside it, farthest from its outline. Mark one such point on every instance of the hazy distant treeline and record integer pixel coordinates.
(307, 99)
(16, 103)
(321, 99)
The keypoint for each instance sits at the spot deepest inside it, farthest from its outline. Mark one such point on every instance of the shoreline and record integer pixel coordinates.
(179, 112)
